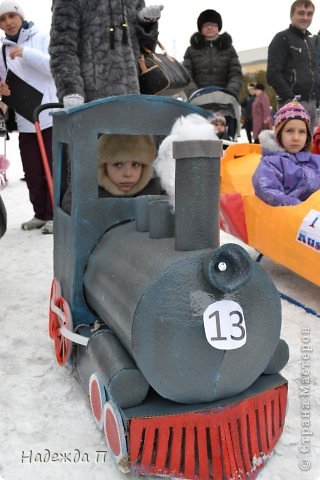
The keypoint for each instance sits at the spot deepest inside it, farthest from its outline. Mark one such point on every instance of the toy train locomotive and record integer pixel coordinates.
(176, 339)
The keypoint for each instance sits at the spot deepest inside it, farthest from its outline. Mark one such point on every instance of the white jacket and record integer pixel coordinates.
(34, 68)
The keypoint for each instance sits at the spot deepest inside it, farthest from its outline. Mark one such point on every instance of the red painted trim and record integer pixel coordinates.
(44, 160)
(112, 433)
(232, 216)
(221, 442)
(55, 293)
(62, 345)
(95, 398)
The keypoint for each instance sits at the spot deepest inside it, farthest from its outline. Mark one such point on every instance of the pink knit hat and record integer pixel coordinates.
(291, 111)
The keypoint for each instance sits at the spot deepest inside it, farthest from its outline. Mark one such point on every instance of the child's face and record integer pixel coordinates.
(124, 174)
(294, 136)
(219, 126)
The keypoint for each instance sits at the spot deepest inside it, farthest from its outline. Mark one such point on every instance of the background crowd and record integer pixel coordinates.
(94, 54)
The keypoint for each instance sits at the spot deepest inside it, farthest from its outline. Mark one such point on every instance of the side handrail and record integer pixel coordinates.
(44, 106)
(43, 152)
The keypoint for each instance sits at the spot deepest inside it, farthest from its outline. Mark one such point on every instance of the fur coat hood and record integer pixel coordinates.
(268, 142)
(222, 42)
(270, 148)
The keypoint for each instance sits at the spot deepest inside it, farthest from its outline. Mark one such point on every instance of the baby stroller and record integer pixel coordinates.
(4, 162)
(219, 100)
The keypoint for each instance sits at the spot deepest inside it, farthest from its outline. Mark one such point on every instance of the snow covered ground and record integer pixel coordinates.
(43, 409)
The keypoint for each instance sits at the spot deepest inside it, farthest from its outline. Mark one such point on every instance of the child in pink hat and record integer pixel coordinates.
(288, 173)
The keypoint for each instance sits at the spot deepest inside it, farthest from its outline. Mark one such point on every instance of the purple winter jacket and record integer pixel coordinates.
(282, 178)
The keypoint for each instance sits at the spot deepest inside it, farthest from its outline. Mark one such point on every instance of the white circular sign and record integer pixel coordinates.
(224, 325)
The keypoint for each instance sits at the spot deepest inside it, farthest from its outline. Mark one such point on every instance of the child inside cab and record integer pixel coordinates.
(125, 168)
(288, 173)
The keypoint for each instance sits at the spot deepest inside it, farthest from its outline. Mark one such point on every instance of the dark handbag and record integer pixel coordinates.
(161, 74)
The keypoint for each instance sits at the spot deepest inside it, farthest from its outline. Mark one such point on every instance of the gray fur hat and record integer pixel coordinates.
(10, 6)
(125, 148)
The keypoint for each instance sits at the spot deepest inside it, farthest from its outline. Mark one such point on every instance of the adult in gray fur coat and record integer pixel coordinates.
(211, 58)
(95, 46)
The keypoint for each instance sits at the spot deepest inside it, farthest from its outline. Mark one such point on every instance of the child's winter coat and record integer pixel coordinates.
(283, 178)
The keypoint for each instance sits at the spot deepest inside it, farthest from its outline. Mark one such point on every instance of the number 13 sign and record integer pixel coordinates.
(225, 325)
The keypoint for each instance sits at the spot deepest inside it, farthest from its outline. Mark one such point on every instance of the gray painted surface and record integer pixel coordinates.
(124, 382)
(197, 194)
(155, 406)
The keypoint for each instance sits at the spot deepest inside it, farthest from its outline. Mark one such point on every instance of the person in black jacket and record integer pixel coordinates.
(211, 58)
(316, 39)
(291, 68)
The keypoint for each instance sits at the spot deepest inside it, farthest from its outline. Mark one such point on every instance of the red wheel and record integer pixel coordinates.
(97, 398)
(115, 435)
(54, 294)
(62, 345)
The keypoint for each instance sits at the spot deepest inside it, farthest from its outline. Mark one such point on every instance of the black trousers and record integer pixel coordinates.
(248, 128)
(34, 172)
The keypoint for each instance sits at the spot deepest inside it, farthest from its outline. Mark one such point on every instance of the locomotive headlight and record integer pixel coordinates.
(222, 266)
(228, 267)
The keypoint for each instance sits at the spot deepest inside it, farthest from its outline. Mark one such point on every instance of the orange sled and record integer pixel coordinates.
(288, 235)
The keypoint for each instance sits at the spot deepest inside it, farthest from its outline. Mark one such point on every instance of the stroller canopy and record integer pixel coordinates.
(219, 100)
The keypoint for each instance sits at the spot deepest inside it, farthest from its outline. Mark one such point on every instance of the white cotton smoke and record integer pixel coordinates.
(191, 127)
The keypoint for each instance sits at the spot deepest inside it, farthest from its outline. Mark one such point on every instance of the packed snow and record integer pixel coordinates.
(43, 410)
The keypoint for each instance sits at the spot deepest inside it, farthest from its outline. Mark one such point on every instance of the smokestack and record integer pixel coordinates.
(197, 194)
